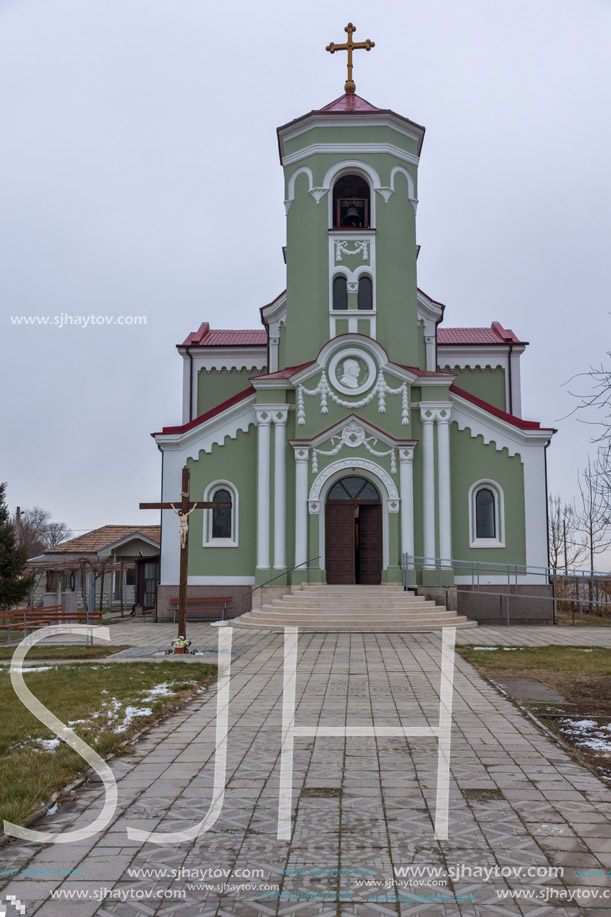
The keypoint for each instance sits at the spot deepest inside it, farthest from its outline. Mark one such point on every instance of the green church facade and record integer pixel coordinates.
(358, 439)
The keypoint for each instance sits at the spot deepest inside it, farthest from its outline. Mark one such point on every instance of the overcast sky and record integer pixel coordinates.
(139, 165)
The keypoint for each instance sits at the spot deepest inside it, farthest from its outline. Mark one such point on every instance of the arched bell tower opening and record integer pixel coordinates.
(351, 203)
(353, 533)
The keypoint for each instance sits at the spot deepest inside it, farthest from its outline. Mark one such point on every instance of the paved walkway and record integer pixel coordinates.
(363, 806)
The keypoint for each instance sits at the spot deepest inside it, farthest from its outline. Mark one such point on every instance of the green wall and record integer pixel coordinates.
(485, 383)
(215, 386)
(235, 461)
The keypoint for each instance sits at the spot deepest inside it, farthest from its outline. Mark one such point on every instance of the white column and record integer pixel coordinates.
(406, 484)
(280, 489)
(263, 442)
(445, 504)
(427, 417)
(301, 505)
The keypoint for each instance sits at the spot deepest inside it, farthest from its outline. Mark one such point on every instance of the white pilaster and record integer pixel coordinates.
(263, 472)
(406, 484)
(427, 417)
(301, 504)
(445, 505)
(279, 417)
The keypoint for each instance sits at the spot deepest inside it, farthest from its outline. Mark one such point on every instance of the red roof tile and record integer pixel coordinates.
(350, 102)
(218, 337)
(503, 415)
(92, 541)
(284, 373)
(209, 414)
(496, 334)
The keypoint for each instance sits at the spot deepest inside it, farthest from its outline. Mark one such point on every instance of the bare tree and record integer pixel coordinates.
(593, 518)
(566, 543)
(37, 532)
(55, 533)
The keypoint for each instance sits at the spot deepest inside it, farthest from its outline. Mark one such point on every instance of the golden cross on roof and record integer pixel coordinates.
(350, 46)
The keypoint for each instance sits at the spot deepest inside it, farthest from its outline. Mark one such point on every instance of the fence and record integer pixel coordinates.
(503, 593)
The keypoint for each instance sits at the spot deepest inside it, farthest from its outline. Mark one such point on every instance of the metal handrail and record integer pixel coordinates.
(284, 572)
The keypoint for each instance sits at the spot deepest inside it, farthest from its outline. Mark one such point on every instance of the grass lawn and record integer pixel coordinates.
(581, 674)
(104, 704)
(64, 651)
(566, 617)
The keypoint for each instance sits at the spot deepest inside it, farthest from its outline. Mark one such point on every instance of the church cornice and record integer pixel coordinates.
(377, 118)
(337, 428)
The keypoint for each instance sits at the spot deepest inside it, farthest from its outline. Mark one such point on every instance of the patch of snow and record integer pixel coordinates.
(38, 668)
(490, 649)
(48, 744)
(219, 623)
(53, 809)
(511, 649)
(588, 734)
(165, 689)
(130, 714)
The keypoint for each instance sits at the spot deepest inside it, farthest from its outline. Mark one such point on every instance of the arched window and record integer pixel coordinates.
(485, 515)
(351, 199)
(340, 293)
(221, 518)
(221, 524)
(365, 293)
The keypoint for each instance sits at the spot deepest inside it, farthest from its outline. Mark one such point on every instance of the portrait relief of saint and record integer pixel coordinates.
(350, 373)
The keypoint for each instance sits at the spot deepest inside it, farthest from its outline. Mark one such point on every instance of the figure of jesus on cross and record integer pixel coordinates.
(183, 511)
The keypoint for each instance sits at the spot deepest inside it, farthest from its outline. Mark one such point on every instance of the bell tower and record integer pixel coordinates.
(351, 173)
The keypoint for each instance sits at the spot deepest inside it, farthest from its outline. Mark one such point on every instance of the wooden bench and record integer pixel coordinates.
(36, 618)
(208, 606)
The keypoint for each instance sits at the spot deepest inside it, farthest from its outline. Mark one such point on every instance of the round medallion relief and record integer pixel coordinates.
(352, 371)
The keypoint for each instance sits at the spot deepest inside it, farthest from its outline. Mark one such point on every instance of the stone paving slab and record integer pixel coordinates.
(362, 807)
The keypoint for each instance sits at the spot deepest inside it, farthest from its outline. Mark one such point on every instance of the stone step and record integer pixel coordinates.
(339, 618)
(352, 628)
(374, 607)
(279, 612)
(349, 587)
(323, 608)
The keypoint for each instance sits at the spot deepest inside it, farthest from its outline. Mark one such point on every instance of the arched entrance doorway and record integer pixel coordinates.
(353, 533)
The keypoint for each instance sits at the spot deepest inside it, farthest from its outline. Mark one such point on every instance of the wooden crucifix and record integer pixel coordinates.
(350, 46)
(183, 511)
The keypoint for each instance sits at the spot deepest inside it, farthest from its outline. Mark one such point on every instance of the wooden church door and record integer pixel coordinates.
(340, 542)
(370, 544)
(353, 533)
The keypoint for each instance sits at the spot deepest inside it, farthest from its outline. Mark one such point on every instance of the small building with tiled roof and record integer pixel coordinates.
(359, 437)
(99, 566)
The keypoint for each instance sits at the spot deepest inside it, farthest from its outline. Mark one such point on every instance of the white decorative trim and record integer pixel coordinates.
(302, 455)
(359, 247)
(355, 352)
(207, 539)
(327, 119)
(356, 464)
(350, 149)
(399, 170)
(499, 515)
(317, 193)
(280, 417)
(352, 436)
(219, 581)
(494, 429)
(213, 432)
(215, 359)
(381, 389)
